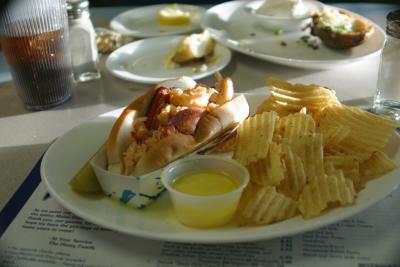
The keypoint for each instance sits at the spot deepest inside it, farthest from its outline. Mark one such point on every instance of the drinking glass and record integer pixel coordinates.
(34, 37)
(387, 97)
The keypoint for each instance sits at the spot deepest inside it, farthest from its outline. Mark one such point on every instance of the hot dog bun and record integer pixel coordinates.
(223, 118)
(119, 137)
(175, 144)
(166, 151)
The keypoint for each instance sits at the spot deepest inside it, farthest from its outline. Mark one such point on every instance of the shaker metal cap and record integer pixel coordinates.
(77, 8)
(393, 24)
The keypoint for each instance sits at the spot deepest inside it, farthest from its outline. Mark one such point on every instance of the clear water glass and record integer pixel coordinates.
(387, 97)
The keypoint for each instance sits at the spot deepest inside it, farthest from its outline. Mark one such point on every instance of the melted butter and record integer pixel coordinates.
(205, 183)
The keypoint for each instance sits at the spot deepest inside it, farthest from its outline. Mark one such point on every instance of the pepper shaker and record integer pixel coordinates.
(82, 40)
(387, 97)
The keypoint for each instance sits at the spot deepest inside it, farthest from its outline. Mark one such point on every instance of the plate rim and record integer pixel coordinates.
(253, 232)
(149, 80)
(138, 34)
(314, 64)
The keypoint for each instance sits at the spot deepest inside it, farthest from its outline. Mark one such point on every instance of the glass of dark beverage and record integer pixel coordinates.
(34, 38)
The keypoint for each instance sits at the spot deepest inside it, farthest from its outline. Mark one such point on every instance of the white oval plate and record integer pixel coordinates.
(235, 28)
(143, 22)
(69, 152)
(145, 61)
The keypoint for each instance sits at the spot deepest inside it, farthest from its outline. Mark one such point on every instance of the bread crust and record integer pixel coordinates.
(119, 137)
(167, 150)
(224, 117)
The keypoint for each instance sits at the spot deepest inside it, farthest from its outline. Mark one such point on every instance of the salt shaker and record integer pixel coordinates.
(387, 97)
(82, 40)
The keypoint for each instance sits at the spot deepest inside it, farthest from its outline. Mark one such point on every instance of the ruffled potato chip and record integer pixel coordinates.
(254, 136)
(368, 132)
(349, 164)
(295, 175)
(263, 205)
(270, 170)
(294, 97)
(377, 165)
(325, 190)
(295, 125)
(309, 147)
(333, 134)
(269, 104)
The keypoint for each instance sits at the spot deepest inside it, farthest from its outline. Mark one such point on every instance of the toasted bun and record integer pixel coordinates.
(119, 138)
(120, 135)
(167, 150)
(177, 145)
(226, 116)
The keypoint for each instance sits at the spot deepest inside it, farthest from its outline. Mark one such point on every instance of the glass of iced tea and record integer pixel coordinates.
(34, 38)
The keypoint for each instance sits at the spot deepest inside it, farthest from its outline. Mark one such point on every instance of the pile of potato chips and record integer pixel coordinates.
(307, 153)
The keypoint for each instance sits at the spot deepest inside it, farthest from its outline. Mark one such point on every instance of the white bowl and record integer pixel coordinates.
(288, 24)
(136, 191)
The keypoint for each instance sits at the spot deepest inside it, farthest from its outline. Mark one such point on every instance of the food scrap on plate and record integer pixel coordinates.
(339, 29)
(198, 47)
(108, 40)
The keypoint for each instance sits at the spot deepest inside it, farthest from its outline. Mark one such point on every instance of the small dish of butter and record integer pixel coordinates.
(205, 190)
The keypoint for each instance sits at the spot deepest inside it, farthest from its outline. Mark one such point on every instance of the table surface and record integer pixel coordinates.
(25, 135)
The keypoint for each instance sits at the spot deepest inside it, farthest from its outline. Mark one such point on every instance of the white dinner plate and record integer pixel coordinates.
(145, 60)
(68, 153)
(143, 22)
(236, 28)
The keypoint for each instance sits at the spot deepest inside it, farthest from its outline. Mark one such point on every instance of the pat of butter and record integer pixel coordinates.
(173, 15)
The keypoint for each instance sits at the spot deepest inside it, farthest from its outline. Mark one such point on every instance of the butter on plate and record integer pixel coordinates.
(173, 16)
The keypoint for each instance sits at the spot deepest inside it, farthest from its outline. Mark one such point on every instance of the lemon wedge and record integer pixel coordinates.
(173, 15)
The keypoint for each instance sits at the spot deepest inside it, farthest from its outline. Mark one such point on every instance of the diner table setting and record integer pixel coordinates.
(240, 133)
